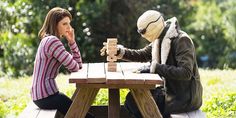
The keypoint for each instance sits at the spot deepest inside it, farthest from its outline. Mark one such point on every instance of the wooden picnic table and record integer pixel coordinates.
(94, 76)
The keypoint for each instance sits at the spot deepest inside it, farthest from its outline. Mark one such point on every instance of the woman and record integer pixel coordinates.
(50, 56)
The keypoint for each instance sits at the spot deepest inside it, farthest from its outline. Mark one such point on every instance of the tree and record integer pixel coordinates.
(214, 32)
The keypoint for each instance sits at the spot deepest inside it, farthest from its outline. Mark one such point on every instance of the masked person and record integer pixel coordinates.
(172, 56)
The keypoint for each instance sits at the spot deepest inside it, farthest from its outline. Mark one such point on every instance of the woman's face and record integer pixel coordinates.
(64, 26)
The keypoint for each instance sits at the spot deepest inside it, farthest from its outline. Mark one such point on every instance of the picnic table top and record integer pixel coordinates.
(97, 73)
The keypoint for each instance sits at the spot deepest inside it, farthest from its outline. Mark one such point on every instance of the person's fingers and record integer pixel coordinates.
(104, 43)
(102, 53)
(103, 49)
(136, 71)
(66, 34)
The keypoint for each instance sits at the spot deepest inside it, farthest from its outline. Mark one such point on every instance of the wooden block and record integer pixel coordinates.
(111, 64)
(111, 69)
(112, 40)
(111, 48)
(111, 58)
(112, 52)
(116, 77)
(111, 45)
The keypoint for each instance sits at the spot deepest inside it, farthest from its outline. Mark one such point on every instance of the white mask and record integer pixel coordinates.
(153, 23)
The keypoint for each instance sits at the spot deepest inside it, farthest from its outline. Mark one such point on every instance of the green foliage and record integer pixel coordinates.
(214, 33)
(221, 106)
(16, 44)
(3, 109)
(18, 53)
(219, 93)
(14, 96)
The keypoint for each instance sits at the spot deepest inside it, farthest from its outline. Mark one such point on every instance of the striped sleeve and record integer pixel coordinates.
(76, 53)
(56, 49)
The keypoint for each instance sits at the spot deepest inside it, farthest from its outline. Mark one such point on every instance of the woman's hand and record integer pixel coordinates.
(70, 36)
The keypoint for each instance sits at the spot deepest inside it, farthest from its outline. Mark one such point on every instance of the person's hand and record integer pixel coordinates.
(103, 51)
(70, 36)
(143, 69)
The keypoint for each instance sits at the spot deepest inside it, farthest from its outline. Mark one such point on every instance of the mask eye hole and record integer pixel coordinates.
(142, 31)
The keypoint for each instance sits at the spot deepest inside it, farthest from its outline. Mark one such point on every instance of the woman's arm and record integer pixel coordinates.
(58, 51)
(76, 53)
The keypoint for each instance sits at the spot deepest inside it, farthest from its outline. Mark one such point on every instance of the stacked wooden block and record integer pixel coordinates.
(111, 54)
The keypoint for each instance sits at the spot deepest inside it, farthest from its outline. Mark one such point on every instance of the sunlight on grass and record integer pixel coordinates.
(218, 87)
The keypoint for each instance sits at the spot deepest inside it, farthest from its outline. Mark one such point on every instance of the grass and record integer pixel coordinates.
(219, 97)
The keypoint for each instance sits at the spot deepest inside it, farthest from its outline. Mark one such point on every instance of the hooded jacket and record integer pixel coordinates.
(173, 58)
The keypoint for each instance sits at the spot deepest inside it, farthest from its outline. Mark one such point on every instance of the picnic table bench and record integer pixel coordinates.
(32, 111)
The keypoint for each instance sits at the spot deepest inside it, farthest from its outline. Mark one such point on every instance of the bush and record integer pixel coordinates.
(18, 54)
(213, 30)
(221, 105)
(3, 109)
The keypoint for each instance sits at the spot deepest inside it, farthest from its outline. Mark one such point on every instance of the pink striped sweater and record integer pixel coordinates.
(50, 56)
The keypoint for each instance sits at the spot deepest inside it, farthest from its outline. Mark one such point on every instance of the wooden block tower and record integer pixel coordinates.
(111, 54)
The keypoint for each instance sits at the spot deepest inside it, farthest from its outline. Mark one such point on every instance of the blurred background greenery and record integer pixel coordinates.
(210, 23)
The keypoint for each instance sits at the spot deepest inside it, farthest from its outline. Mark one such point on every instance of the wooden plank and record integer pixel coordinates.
(81, 76)
(146, 103)
(31, 111)
(96, 73)
(139, 78)
(113, 86)
(75, 93)
(129, 75)
(192, 114)
(114, 103)
(114, 77)
(132, 66)
(152, 78)
(82, 102)
(47, 113)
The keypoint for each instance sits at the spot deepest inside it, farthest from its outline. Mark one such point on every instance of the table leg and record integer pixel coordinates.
(75, 93)
(82, 102)
(114, 103)
(146, 103)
